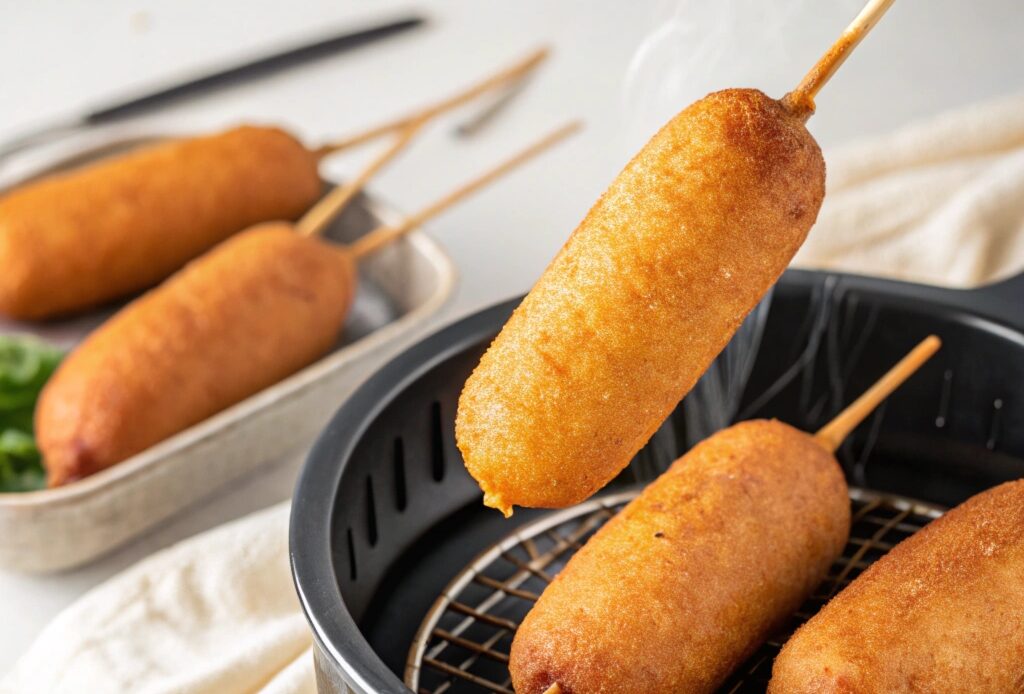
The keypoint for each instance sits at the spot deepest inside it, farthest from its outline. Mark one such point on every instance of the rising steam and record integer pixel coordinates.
(699, 46)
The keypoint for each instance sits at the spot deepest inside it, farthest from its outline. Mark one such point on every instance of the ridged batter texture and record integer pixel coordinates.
(643, 296)
(942, 613)
(79, 239)
(680, 587)
(259, 307)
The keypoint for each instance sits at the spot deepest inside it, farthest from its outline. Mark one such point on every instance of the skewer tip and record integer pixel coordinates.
(542, 52)
(800, 101)
(832, 435)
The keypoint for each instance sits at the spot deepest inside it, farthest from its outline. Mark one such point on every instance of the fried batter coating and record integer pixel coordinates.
(942, 612)
(694, 574)
(643, 296)
(254, 310)
(79, 239)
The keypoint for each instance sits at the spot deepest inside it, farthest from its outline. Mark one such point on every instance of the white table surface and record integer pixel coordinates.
(58, 57)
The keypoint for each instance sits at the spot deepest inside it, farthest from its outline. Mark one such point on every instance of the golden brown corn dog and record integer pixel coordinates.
(175, 356)
(646, 292)
(82, 238)
(688, 580)
(942, 612)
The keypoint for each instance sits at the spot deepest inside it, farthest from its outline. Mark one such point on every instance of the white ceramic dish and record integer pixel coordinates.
(60, 528)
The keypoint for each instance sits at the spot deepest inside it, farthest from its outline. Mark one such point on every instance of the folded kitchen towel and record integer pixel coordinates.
(214, 614)
(941, 202)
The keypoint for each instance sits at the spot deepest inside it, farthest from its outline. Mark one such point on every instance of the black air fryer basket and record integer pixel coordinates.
(385, 516)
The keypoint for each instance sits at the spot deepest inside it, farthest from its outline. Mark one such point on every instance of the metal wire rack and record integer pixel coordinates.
(463, 644)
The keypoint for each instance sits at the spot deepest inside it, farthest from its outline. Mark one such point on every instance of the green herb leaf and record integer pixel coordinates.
(21, 465)
(25, 365)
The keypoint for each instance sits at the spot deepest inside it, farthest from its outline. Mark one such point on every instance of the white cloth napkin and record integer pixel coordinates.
(215, 614)
(940, 202)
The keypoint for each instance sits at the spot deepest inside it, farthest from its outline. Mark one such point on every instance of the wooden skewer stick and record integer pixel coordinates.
(556, 688)
(800, 101)
(505, 76)
(386, 234)
(832, 434)
(320, 215)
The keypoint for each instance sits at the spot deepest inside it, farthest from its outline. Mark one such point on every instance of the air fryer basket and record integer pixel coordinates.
(384, 514)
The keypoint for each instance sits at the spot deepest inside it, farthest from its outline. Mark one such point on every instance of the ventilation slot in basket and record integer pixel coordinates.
(995, 429)
(942, 418)
(371, 513)
(436, 442)
(401, 496)
(352, 574)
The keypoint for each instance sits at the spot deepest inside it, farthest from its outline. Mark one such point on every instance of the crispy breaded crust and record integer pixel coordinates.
(254, 310)
(942, 612)
(682, 585)
(79, 239)
(645, 293)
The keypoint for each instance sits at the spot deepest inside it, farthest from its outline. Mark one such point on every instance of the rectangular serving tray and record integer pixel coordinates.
(55, 529)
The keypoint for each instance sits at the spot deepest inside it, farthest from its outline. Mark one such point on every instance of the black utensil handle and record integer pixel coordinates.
(257, 68)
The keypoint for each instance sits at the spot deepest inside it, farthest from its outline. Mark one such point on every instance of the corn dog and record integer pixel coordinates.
(646, 292)
(267, 303)
(83, 238)
(681, 586)
(657, 600)
(942, 612)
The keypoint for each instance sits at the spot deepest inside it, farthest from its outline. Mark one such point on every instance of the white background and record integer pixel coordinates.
(58, 57)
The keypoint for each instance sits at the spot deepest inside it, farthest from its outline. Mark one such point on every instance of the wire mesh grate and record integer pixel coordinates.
(463, 645)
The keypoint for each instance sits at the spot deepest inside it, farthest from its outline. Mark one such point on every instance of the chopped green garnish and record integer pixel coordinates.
(25, 365)
(21, 466)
